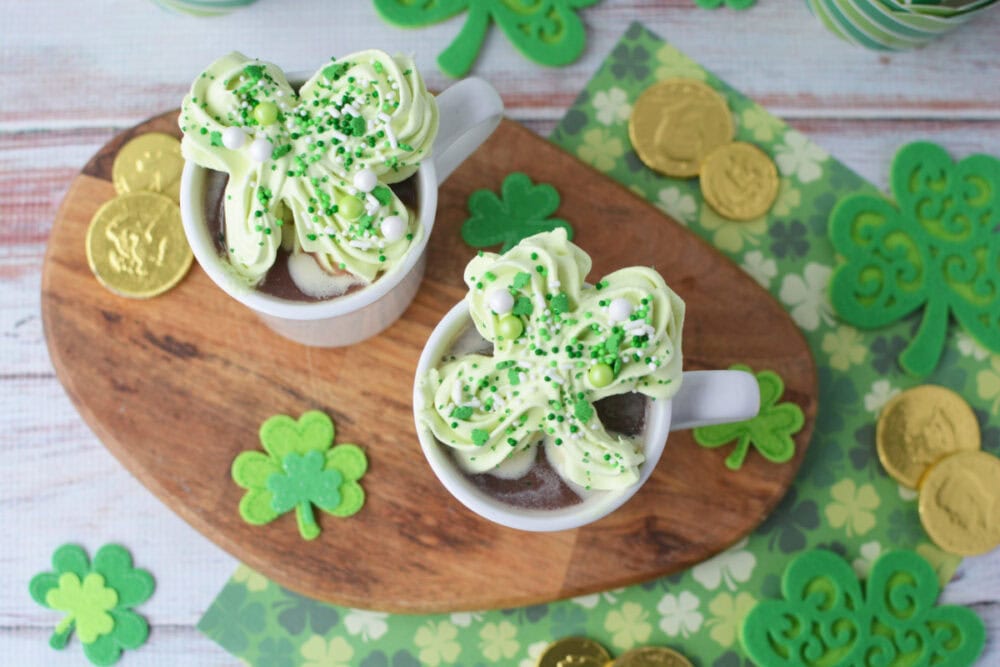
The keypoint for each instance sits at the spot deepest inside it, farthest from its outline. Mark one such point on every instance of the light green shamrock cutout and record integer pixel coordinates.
(522, 210)
(826, 620)
(770, 431)
(96, 599)
(310, 168)
(548, 32)
(559, 345)
(300, 470)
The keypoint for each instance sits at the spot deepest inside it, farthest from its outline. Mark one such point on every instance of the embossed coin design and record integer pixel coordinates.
(920, 427)
(652, 656)
(151, 162)
(739, 181)
(574, 652)
(136, 245)
(960, 503)
(676, 123)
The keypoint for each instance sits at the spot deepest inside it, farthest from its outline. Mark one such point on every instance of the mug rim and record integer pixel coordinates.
(203, 246)
(462, 489)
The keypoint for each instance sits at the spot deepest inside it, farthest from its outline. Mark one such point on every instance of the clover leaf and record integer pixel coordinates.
(937, 248)
(300, 470)
(826, 618)
(96, 599)
(521, 210)
(559, 345)
(770, 432)
(547, 31)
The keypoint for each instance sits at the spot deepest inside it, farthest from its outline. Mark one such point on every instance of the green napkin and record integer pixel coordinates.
(842, 500)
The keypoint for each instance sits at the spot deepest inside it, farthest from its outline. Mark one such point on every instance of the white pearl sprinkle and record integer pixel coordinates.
(501, 301)
(393, 228)
(365, 180)
(233, 138)
(261, 150)
(619, 310)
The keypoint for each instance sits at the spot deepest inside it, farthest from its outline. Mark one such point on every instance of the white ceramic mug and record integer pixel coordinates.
(705, 398)
(469, 112)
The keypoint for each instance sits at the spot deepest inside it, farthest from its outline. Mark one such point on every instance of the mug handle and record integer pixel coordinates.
(468, 112)
(714, 397)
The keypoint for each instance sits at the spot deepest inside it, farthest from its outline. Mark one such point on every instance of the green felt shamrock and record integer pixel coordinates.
(97, 599)
(731, 4)
(826, 621)
(937, 248)
(522, 210)
(300, 470)
(548, 32)
(770, 431)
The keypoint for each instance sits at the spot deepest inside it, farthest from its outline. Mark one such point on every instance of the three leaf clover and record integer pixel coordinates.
(770, 431)
(96, 599)
(937, 249)
(825, 619)
(300, 470)
(521, 210)
(546, 31)
(559, 345)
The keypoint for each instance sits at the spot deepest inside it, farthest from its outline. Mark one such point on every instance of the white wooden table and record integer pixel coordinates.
(74, 73)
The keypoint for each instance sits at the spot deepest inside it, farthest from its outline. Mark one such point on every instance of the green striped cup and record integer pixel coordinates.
(892, 25)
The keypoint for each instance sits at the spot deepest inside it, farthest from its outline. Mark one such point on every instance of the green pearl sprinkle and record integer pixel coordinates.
(600, 375)
(266, 113)
(350, 207)
(510, 327)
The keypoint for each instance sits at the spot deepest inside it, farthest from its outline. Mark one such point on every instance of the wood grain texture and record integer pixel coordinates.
(178, 385)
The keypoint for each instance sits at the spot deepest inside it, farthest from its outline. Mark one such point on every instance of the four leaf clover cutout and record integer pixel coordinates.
(97, 600)
(299, 470)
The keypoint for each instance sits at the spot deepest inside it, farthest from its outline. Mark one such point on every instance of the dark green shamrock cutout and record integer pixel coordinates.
(826, 621)
(731, 4)
(548, 32)
(938, 248)
(300, 470)
(522, 210)
(96, 599)
(770, 431)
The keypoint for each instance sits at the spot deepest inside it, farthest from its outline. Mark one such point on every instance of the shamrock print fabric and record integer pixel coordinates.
(842, 501)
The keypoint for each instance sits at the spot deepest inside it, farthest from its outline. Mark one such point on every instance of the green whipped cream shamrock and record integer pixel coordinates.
(770, 432)
(97, 600)
(558, 346)
(300, 470)
(826, 619)
(936, 249)
(547, 31)
(320, 159)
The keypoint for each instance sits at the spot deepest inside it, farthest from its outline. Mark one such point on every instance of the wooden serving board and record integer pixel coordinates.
(178, 385)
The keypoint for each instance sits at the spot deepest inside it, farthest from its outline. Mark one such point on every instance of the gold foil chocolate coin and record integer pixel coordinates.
(921, 426)
(652, 656)
(739, 181)
(151, 162)
(574, 652)
(676, 123)
(960, 503)
(136, 245)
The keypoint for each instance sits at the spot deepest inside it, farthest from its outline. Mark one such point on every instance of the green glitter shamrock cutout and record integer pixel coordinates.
(826, 620)
(938, 248)
(770, 431)
(559, 345)
(521, 210)
(731, 4)
(97, 599)
(300, 470)
(310, 168)
(548, 32)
